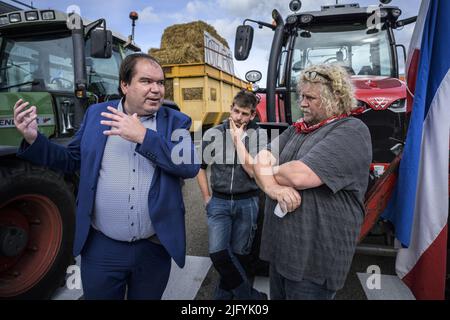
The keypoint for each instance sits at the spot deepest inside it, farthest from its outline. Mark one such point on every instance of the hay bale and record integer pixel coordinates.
(184, 43)
(191, 33)
(187, 53)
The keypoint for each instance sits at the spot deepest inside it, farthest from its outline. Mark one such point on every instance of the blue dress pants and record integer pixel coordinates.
(111, 269)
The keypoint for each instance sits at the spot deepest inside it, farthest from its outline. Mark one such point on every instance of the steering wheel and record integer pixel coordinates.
(330, 60)
(60, 80)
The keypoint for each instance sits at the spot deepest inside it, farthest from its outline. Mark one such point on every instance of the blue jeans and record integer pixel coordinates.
(232, 224)
(282, 288)
(231, 229)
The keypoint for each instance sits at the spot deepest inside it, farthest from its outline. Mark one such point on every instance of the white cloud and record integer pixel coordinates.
(238, 7)
(226, 28)
(262, 9)
(147, 15)
(176, 17)
(196, 7)
(251, 8)
(193, 11)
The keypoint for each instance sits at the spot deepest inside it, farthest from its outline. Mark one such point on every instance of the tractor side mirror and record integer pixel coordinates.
(101, 43)
(243, 43)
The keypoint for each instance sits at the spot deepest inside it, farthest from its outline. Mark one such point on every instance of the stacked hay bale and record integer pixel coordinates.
(183, 43)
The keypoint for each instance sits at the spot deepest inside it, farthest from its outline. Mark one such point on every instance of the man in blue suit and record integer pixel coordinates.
(130, 211)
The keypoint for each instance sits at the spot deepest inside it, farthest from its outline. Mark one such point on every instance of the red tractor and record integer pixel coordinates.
(360, 39)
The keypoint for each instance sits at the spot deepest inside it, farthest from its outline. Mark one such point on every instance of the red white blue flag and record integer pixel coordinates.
(419, 206)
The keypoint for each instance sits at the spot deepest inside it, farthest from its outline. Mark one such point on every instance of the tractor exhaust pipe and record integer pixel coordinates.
(79, 55)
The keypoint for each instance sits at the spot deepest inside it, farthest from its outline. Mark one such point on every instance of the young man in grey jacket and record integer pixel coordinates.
(232, 210)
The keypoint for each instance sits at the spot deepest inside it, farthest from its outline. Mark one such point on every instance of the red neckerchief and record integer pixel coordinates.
(302, 127)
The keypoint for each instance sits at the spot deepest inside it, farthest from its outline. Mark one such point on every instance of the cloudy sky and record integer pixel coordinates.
(224, 15)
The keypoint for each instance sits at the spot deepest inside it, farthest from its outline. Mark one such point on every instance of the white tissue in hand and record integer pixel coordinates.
(279, 212)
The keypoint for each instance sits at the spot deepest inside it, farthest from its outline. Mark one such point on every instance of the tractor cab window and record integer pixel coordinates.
(103, 75)
(282, 69)
(360, 53)
(128, 51)
(40, 63)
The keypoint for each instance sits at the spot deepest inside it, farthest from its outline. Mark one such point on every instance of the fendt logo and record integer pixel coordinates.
(43, 120)
(379, 103)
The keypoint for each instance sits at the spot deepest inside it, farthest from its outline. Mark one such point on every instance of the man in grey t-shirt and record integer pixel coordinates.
(317, 171)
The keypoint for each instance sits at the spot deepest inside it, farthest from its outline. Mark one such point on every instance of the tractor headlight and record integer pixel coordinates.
(306, 18)
(31, 15)
(15, 17)
(398, 104)
(48, 15)
(4, 20)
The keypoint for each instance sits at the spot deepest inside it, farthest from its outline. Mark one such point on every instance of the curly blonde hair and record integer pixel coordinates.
(337, 93)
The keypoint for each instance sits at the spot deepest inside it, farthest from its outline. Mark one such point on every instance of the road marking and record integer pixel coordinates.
(183, 283)
(391, 288)
(262, 284)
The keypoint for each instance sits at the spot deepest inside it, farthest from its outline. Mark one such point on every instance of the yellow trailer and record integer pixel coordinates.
(202, 91)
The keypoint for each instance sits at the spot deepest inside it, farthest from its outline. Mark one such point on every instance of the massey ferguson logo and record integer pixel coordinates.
(379, 103)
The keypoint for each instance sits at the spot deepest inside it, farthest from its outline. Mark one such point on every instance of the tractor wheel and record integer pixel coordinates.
(37, 213)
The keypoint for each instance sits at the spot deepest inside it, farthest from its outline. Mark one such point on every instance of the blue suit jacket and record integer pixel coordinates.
(85, 152)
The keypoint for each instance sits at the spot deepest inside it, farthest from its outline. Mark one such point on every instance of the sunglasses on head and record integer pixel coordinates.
(312, 75)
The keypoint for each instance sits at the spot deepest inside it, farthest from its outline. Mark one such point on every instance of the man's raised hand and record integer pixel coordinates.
(128, 127)
(25, 120)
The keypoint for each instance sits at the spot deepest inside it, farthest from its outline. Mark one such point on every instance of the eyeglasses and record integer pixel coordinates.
(312, 75)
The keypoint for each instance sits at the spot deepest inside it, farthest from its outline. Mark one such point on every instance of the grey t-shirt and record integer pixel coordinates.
(317, 241)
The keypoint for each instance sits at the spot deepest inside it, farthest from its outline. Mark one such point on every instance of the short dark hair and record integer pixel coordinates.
(246, 99)
(127, 67)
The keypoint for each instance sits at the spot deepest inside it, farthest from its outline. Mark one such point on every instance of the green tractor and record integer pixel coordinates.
(62, 65)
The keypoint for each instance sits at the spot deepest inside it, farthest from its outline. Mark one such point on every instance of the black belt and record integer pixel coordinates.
(236, 196)
(154, 238)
